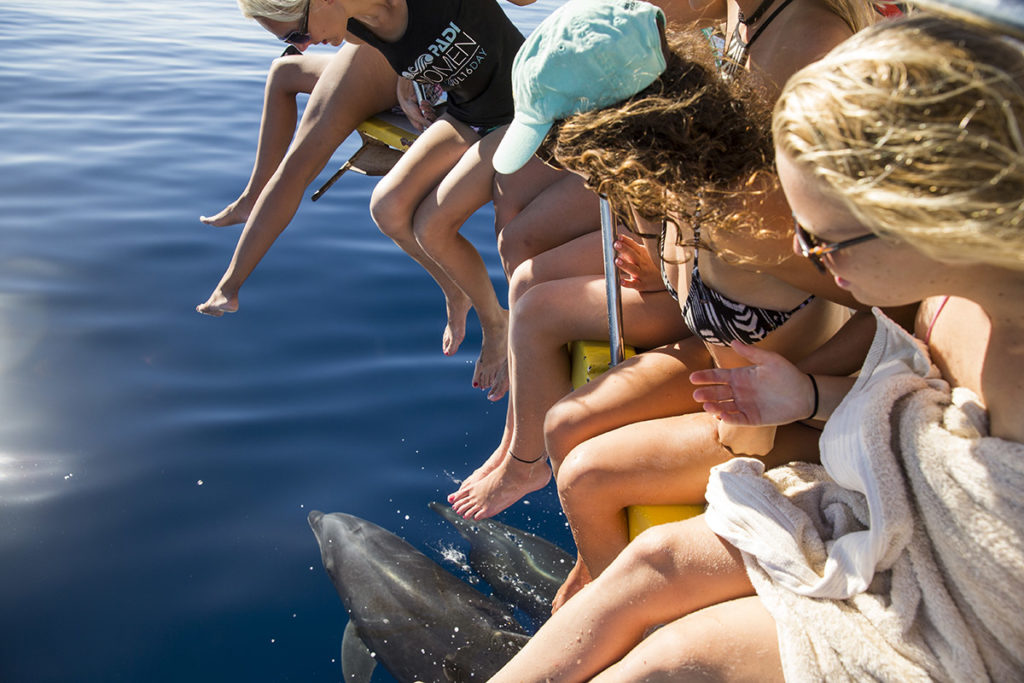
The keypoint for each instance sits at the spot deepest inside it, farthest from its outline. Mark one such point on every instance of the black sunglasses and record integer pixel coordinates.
(300, 36)
(813, 248)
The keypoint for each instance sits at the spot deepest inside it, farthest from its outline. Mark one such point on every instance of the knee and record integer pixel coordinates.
(562, 428)
(513, 249)
(282, 70)
(506, 251)
(505, 207)
(581, 481)
(520, 241)
(651, 551)
(521, 280)
(531, 319)
(388, 210)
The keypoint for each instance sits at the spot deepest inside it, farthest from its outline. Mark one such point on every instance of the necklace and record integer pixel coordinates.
(736, 55)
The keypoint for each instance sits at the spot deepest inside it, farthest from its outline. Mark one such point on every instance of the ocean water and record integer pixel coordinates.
(156, 465)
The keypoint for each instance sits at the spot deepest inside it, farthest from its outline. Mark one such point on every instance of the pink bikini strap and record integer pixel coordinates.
(931, 325)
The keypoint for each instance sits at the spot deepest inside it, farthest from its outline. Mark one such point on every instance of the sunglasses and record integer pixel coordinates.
(813, 248)
(300, 36)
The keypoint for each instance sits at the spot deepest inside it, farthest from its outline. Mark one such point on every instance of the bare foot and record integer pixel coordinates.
(480, 472)
(234, 213)
(218, 304)
(455, 331)
(578, 577)
(491, 370)
(502, 486)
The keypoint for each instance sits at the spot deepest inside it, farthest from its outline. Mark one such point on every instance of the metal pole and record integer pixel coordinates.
(611, 285)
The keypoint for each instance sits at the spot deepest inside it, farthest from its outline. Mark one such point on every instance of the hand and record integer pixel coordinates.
(772, 391)
(746, 440)
(419, 111)
(637, 269)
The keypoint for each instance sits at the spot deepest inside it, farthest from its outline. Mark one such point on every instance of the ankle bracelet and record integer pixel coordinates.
(528, 462)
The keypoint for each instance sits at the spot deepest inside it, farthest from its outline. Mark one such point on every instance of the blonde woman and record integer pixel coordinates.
(467, 49)
(902, 556)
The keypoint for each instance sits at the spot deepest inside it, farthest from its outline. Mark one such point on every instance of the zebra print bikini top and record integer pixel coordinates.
(718, 319)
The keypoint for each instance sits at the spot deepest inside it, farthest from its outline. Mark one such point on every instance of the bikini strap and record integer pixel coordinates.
(761, 9)
(763, 26)
(935, 318)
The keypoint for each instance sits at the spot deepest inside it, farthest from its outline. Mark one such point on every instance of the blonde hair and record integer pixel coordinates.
(857, 14)
(915, 125)
(275, 10)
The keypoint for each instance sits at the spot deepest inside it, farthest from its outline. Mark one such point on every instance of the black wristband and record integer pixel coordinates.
(814, 385)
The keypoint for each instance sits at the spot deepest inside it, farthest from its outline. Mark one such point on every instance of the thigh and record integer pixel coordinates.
(466, 187)
(423, 166)
(561, 211)
(734, 640)
(352, 85)
(571, 308)
(649, 385)
(665, 461)
(578, 257)
(515, 191)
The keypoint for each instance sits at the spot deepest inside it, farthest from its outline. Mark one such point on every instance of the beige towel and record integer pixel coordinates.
(944, 532)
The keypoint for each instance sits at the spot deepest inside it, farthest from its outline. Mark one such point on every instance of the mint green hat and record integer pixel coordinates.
(585, 55)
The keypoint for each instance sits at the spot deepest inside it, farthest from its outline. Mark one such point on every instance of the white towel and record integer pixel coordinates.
(913, 568)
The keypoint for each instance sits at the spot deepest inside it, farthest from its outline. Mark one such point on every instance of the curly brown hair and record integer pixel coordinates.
(669, 149)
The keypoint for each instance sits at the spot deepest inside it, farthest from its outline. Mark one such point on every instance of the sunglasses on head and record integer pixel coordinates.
(813, 248)
(300, 36)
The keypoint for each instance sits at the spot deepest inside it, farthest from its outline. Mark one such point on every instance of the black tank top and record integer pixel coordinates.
(465, 46)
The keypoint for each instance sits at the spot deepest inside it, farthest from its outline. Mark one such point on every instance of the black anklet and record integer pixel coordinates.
(528, 462)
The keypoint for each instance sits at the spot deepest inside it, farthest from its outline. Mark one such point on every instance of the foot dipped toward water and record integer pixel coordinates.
(218, 304)
(455, 331)
(491, 371)
(578, 577)
(480, 472)
(499, 488)
(234, 213)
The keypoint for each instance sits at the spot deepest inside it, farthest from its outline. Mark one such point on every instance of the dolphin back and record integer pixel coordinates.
(521, 567)
(419, 621)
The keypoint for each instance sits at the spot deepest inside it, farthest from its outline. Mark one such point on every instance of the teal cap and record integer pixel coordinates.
(585, 55)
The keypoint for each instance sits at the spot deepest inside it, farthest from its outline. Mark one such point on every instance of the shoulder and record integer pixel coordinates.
(803, 33)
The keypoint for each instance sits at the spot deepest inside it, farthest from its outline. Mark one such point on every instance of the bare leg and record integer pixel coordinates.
(356, 84)
(649, 385)
(398, 195)
(436, 225)
(288, 77)
(539, 208)
(545, 318)
(552, 265)
(655, 462)
(667, 572)
(734, 641)
(579, 576)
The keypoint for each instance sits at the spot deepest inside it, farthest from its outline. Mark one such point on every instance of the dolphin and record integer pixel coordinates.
(520, 567)
(421, 622)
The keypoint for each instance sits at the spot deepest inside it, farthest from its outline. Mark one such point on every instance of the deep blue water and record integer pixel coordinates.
(157, 466)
